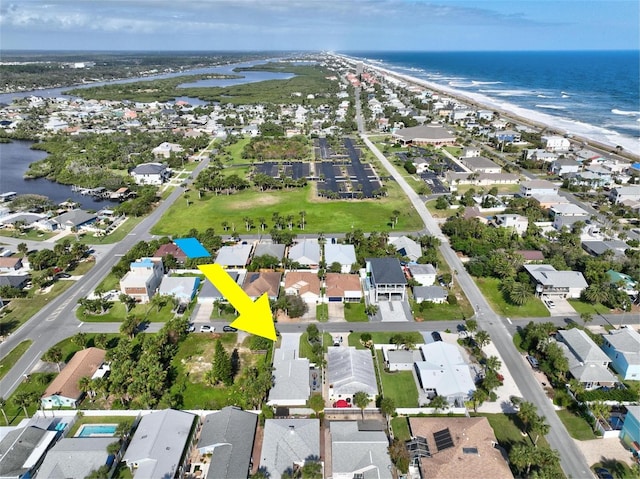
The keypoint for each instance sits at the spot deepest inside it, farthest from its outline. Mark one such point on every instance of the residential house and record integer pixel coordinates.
(343, 288)
(432, 134)
(630, 433)
(350, 370)
(623, 348)
(538, 187)
(587, 362)
(480, 164)
(171, 249)
(549, 282)
(443, 372)
(470, 152)
(530, 255)
(431, 294)
(508, 136)
(569, 209)
(624, 282)
(287, 444)
(556, 143)
(270, 249)
(425, 274)
(143, 279)
(407, 247)
(10, 264)
(63, 390)
(304, 284)
(21, 450)
(150, 174)
(358, 450)
(385, 280)
(15, 280)
(421, 164)
(228, 435)
(400, 359)
(209, 294)
(76, 457)
(598, 248)
(75, 219)
(517, 223)
(164, 150)
(291, 379)
(537, 154)
(344, 254)
(306, 253)
(256, 284)
(161, 444)
(182, 288)
(460, 447)
(624, 193)
(547, 201)
(564, 166)
(236, 256)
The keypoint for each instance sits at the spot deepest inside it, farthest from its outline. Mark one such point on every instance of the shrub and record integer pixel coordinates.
(610, 395)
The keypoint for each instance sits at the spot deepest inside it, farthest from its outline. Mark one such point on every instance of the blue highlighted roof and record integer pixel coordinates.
(192, 248)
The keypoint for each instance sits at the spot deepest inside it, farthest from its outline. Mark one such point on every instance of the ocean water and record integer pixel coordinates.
(595, 94)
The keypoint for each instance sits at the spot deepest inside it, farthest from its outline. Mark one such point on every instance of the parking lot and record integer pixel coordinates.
(295, 169)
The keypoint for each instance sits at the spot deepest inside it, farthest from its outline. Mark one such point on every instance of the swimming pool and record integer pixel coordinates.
(97, 430)
(616, 422)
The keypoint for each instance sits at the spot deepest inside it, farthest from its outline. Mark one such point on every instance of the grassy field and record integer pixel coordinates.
(35, 386)
(490, 290)
(577, 427)
(584, 307)
(400, 426)
(398, 385)
(118, 235)
(10, 359)
(33, 235)
(21, 309)
(354, 313)
(383, 337)
(507, 432)
(82, 268)
(344, 215)
(117, 313)
(322, 312)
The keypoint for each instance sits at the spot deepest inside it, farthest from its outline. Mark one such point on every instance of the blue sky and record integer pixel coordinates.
(319, 25)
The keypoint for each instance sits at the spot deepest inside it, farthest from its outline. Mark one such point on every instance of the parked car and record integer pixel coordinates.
(181, 308)
(229, 329)
(436, 336)
(603, 473)
(63, 275)
(551, 304)
(191, 328)
(533, 361)
(205, 328)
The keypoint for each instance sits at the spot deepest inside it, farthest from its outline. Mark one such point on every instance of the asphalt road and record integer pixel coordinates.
(572, 460)
(57, 320)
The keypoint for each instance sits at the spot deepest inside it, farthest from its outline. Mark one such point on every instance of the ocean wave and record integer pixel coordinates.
(564, 95)
(508, 92)
(615, 111)
(543, 96)
(461, 84)
(476, 82)
(551, 107)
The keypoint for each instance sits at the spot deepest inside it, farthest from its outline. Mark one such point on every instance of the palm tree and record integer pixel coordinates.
(599, 410)
(540, 428)
(24, 399)
(84, 384)
(597, 292)
(3, 404)
(303, 215)
(482, 338)
(387, 406)
(478, 397)
(438, 403)
(54, 355)
(527, 414)
(493, 363)
(586, 317)
(520, 293)
(361, 400)
(522, 456)
(471, 326)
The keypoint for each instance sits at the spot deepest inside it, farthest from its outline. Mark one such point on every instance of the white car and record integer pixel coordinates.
(191, 328)
(205, 328)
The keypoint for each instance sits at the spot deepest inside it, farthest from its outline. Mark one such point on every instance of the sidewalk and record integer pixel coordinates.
(504, 392)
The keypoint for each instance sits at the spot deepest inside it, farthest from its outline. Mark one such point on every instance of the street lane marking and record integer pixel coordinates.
(80, 325)
(509, 321)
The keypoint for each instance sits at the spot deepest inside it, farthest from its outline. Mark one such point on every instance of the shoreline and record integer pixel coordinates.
(517, 116)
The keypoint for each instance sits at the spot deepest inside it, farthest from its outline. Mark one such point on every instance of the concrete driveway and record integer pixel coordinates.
(558, 306)
(290, 341)
(336, 312)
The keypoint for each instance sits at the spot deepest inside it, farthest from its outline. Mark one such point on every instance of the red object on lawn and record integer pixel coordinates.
(341, 403)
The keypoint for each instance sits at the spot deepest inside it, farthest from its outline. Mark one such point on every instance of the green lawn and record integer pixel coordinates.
(400, 426)
(322, 312)
(21, 309)
(35, 386)
(118, 235)
(69, 348)
(82, 268)
(577, 427)
(344, 215)
(507, 432)
(398, 385)
(354, 312)
(618, 469)
(490, 290)
(584, 307)
(10, 359)
(305, 346)
(117, 313)
(33, 234)
(382, 337)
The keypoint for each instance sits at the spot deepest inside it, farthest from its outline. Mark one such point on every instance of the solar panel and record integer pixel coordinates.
(443, 439)
(418, 447)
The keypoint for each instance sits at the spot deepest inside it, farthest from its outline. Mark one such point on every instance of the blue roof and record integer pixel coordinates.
(192, 248)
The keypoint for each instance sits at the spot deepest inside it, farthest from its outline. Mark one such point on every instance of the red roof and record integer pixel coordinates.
(172, 249)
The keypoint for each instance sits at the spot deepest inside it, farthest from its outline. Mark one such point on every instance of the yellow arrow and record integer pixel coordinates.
(255, 317)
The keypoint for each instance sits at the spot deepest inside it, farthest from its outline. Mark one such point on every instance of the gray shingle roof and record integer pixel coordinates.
(75, 457)
(208, 290)
(340, 253)
(351, 370)
(16, 447)
(271, 249)
(386, 271)
(237, 255)
(75, 218)
(291, 375)
(429, 292)
(149, 169)
(354, 451)
(287, 441)
(583, 346)
(229, 433)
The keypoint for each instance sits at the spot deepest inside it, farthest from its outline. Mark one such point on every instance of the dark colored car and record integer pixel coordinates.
(229, 329)
(181, 308)
(603, 473)
(436, 336)
(63, 275)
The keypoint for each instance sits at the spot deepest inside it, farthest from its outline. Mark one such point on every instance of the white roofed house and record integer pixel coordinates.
(165, 149)
(150, 174)
(623, 193)
(425, 274)
(161, 444)
(359, 452)
(549, 282)
(143, 279)
(291, 379)
(344, 254)
(236, 256)
(538, 187)
(76, 457)
(407, 247)
(287, 444)
(443, 372)
(75, 219)
(432, 134)
(556, 143)
(350, 370)
(623, 348)
(306, 253)
(517, 223)
(587, 362)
